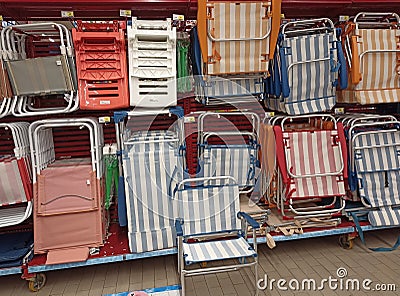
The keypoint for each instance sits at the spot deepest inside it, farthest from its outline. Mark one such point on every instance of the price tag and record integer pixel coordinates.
(125, 13)
(190, 119)
(339, 111)
(269, 114)
(178, 17)
(344, 18)
(67, 13)
(105, 119)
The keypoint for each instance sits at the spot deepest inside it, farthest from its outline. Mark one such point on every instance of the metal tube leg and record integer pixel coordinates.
(256, 279)
(182, 283)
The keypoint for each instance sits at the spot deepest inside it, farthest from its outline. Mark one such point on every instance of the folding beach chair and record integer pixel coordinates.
(231, 49)
(5, 87)
(267, 160)
(306, 67)
(313, 166)
(371, 43)
(153, 163)
(16, 178)
(101, 64)
(40, 64)
(237, 154)
(152, 63)
(69, 218)
(350, 120)
(211, 229)
(374, 158)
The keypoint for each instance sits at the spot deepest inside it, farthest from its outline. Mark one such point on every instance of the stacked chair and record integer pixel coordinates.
(6, 93)
(211, 228)
(224, 150)
(152, 63)
(68, 191)
(153, 163)
(16, 177)
(101, 64)
(41, 67)
(312, 166)
(231, 48)
(305, 70)
(371, 46)
(374, 142)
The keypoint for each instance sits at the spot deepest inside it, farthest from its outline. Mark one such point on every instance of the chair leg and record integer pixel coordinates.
(182, 283)
(256, 279)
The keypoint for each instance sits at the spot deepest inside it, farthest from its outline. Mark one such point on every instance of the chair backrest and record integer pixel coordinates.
(378, 58)
(238, 162)
(377, 163)
(309, 66)
(152, 171)
(312, 153)
(238, 37)
(314, 161)
(209, 208)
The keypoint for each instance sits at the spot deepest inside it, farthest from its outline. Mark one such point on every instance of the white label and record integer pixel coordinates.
(344, 18)
(178, 17)
(67, 13)
(58, 63)
(125, 13)
(339, 110)
(105, 102)
(105, 119)
(269, 114)
(189, 119)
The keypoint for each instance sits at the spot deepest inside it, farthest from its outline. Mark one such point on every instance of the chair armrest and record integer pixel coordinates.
(178, 227)
(254, 224)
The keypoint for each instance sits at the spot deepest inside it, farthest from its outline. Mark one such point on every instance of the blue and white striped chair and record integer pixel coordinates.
(310, 60)
(376, 156)
(236, 161)
(211, 228)
(152, 168)
(224, 150)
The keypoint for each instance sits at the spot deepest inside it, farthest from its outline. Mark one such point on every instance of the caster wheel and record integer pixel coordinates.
(38, 282)
(345, 242)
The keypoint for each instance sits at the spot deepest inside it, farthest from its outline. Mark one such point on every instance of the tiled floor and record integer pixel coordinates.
(315, 259)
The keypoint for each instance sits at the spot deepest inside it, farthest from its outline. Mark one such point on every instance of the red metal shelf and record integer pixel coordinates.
(106, 9)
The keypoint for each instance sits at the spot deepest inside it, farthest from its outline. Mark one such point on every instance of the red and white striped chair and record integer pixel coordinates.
(313, 166)
(16, 177)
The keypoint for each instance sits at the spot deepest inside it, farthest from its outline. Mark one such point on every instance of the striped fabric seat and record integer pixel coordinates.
(11, 183)
(379, 80)
(377, 162)
(15, 191)
(228, 21)
(151, 171)
(238, 162)
(319, 155)
(217, 250)
(307, 62)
